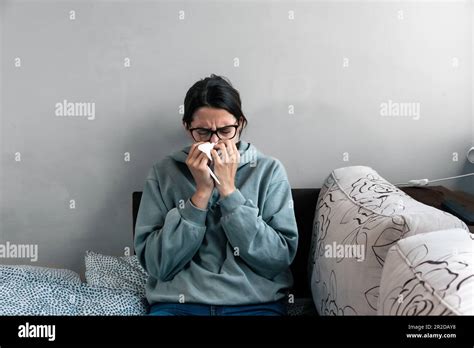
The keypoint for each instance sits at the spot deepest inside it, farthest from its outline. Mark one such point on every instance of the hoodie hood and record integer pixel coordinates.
(248, 153)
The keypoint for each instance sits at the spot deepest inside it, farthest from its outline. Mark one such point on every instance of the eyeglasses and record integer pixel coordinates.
(223, 133)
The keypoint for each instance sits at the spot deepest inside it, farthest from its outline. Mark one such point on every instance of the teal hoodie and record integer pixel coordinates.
(235, 252)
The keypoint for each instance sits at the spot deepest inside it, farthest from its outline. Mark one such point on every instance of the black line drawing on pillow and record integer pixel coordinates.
(372, 297)
(329, 305)
(417, 296)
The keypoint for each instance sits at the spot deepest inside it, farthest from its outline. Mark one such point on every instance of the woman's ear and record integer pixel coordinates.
(186, 128)
(239, 128)
(187, 131)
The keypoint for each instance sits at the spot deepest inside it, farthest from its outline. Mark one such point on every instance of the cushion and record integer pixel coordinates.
(429, 274)
(119, 272)
(38, 293)
(45, 273)
(359, 216)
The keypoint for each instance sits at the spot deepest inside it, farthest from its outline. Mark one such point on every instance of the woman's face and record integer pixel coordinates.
(212, 118)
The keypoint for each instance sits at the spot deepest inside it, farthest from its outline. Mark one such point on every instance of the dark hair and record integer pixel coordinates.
(215, 92)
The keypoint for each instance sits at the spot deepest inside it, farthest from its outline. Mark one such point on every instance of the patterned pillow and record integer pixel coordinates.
(429, 274)
(119, 272)
(31, 293)
(359, 216)
(48, 274)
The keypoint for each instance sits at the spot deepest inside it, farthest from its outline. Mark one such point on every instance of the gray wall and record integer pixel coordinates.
(406, 52)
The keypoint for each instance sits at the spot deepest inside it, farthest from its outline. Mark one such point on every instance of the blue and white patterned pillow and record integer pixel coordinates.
(25, 292)
(118, 272)
(46, 273)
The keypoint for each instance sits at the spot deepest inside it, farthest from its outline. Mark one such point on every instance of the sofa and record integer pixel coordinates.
(358, 210)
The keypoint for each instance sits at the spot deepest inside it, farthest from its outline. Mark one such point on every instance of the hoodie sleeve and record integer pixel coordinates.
(166, 240)
(267, 246)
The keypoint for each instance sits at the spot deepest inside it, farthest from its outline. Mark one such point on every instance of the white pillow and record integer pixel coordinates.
(362, 214)
(429, 274)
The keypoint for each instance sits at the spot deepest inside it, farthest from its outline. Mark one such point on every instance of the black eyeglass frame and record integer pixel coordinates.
(215, 132)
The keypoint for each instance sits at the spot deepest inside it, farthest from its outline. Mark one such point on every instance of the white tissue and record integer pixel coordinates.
(206, 148)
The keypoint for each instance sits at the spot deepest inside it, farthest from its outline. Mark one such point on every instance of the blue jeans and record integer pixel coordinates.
(276, 308)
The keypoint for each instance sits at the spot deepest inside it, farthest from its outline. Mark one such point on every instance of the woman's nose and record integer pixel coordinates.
(214, 138)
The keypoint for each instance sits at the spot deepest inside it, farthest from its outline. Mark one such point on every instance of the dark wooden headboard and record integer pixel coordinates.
(304, 200)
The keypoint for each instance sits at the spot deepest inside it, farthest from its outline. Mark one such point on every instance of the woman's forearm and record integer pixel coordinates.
(201, 199)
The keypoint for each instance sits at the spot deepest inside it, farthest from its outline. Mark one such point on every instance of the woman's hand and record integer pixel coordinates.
(197, 162)
(225, 167)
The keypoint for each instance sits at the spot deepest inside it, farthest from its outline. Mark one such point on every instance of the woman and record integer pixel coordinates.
(209, 248)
